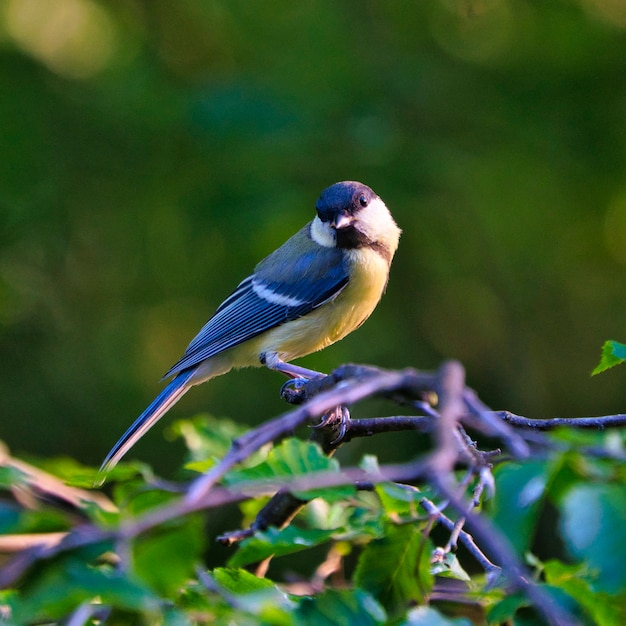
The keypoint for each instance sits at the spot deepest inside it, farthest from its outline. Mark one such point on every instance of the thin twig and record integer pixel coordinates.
(494, 542)
(514, 442)
(217, 497)
(44, 485)
(466, 539)
(347, 385)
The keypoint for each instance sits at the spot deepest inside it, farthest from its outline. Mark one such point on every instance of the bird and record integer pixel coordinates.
(312, 291)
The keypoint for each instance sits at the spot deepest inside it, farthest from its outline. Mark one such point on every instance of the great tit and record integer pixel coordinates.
(320, 285)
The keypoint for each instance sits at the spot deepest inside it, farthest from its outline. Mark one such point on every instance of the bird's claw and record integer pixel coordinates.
(337, 419)
(291, 390)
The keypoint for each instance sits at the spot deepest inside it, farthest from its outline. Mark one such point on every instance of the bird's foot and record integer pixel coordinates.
(337, 420)
(292, 390)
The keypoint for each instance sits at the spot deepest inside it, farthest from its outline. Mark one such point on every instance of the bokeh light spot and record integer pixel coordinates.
(74, 38)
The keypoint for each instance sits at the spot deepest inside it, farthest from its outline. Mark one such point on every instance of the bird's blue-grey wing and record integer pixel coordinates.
(280, 290)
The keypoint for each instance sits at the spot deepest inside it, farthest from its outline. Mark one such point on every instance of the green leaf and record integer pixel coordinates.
(277, 543)
(139, 499)
(70, 471)
(340, 607)
(517, 502)
(207, 438)
(258, 596)
(63, 584)
(594, 518)
(293, 458)
(43, 521)
(359, 522)
(399, 499)
(503, 611)
(325, 515)
(13, 477)
(449, 567)
(613, 353)
(395, 569)
(240, 581)
(576, 581)
(166, 557)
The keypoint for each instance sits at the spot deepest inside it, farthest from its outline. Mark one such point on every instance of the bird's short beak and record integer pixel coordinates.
(341, 221)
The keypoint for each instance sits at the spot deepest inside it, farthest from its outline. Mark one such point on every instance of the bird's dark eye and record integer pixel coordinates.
(363, 200)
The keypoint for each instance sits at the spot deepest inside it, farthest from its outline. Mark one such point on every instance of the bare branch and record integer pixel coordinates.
(499, 429)
(467, 540)
(366, 427)
(445, 421)
(495, 543)
(17, 543)
(594, 423)
(35, 482)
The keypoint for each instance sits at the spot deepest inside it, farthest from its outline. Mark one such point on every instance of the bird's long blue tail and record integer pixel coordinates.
(159, 406)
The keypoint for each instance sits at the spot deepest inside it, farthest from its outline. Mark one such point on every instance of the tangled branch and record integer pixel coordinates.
(446, 410)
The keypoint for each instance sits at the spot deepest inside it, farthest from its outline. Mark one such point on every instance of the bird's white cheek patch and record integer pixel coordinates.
(378, 225)
(322, 234)
(268, 295)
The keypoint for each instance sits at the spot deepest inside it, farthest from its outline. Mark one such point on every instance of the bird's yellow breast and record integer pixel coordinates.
(328, 323)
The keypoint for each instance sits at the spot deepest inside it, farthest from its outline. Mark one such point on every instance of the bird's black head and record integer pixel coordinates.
(343, 200)
(351, 216)
(342, 206)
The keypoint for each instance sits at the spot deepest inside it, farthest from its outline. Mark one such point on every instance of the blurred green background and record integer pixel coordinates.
(153, 152)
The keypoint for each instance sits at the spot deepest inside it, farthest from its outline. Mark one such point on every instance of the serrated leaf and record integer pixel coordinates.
(395, 569)
(277, 543)
(254, 594)
(206, 437)
(330, 494)
(293, 458)
(593, 517)
(340, 607)
(613, 353)
(240, 581)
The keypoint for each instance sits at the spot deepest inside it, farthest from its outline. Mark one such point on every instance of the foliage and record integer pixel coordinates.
(613, 353)
(374, 552)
